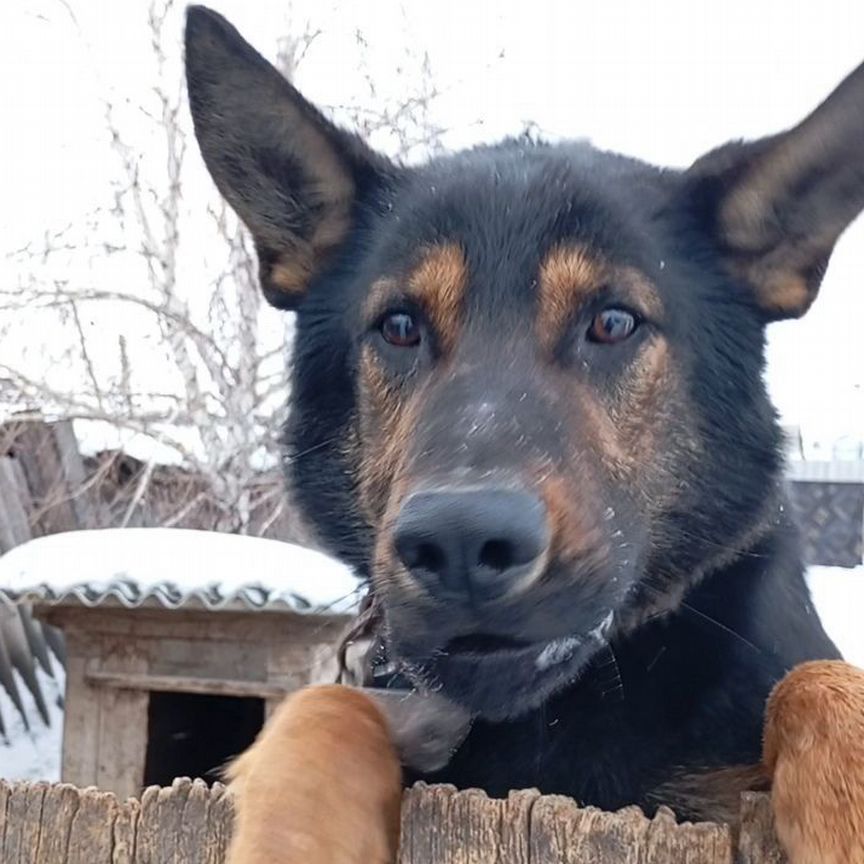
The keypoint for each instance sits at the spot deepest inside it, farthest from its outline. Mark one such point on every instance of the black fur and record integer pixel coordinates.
(710, 603)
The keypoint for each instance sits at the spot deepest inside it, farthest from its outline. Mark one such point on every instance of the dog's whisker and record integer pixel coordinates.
(704, 616)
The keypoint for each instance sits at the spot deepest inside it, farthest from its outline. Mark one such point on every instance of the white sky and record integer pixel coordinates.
(662, 81)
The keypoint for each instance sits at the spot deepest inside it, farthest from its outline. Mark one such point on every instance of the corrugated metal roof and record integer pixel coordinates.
(135, 568)
(127, 594)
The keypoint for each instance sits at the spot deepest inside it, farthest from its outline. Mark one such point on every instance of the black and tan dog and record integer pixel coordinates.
(528, 405)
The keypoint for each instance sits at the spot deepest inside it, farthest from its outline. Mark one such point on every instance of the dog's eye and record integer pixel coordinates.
(400, 329)
(611, 326)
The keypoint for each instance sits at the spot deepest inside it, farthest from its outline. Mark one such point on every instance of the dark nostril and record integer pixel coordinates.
(429, 557)
(497, 555)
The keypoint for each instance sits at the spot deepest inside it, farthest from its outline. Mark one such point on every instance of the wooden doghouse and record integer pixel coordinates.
(178, 643)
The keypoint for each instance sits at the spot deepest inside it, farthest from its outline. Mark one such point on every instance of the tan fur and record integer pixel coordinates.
(438, 283)
(640, 405)
(620, 424)
(292, 273)
(385, 425)
(601, 432)
(571, 534)
(567, 276)
(780, 288)
(320, 785)
(779, 291)
(300, 258)
(776, 264)
(386, 422)
(814, 750)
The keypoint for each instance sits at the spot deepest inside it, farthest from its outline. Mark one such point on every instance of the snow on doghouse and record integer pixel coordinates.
(178, 642)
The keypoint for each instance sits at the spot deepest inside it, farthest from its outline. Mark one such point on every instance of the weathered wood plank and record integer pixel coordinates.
(199, 625)
(126, 832)
(190, 823)
(123, 724)
(59, 809)
(757, 844)
(23, 822)
(80, 720)
(92, 829)
(14, 521)
(89, 512)
(44, 467)
(5, 794)
(183, 684)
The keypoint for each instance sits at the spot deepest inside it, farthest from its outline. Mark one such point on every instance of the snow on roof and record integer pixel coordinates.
(173, 568)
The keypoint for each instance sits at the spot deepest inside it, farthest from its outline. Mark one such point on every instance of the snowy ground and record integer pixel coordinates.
(35, 755)
(32, 754)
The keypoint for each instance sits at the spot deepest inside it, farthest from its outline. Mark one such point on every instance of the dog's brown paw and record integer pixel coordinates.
(320, 785)
(814, 749)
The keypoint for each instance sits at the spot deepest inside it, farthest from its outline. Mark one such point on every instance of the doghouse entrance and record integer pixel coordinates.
(194, 735)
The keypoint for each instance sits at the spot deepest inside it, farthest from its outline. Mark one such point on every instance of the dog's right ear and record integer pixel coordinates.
(291, 175)
(777, 206)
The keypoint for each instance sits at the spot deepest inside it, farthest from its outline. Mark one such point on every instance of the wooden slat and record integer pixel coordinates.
(756, 843)
(37, 452)
(190, 823)
(59, 809)
(88, 510)
(80, 719)
(123, 723)
(14, 521)
(184, 684)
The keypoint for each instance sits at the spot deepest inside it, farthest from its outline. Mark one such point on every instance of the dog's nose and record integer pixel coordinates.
(474, 544)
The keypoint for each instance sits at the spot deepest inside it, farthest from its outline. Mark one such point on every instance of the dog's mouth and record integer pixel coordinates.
(484, 643)
(546, 654)
(498, 676)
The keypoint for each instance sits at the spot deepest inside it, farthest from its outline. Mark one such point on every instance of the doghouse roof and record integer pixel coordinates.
(173, 568)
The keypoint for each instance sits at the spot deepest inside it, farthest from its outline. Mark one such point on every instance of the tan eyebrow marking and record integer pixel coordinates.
(569, 275)
(437, 283)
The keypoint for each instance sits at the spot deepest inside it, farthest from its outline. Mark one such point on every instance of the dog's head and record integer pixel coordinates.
(527, 382)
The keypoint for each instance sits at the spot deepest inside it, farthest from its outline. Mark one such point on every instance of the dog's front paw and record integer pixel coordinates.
(814, 750)
(321, 784)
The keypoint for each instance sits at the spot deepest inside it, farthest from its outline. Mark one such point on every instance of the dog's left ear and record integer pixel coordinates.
(777, 206)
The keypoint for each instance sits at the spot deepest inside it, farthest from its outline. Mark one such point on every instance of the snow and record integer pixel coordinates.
(838, 594)
(95, 436)
(33, 754)
(190, 560)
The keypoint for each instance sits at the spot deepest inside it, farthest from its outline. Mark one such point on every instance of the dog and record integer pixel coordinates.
(528, 407)
(322, 784)
(338, 751)
(326, 750)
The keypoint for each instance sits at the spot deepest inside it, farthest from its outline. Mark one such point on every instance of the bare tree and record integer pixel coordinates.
(142, 336)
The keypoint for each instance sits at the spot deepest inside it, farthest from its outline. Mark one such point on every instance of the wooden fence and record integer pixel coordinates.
(190, 823)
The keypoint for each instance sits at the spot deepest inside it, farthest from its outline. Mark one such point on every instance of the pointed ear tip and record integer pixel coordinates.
(198, 15)
(202, 21)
